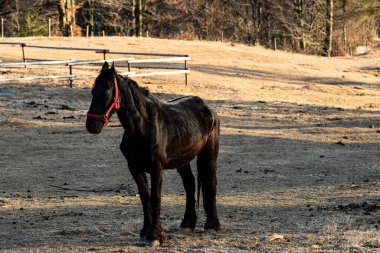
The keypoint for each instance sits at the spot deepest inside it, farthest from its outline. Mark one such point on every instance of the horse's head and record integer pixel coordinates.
(105, 99)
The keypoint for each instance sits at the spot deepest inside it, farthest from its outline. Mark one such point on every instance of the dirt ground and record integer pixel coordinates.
(298, 171)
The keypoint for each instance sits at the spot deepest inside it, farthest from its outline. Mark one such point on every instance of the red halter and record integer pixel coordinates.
(115, 104)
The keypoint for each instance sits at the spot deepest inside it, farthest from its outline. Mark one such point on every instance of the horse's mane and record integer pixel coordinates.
(139, 95)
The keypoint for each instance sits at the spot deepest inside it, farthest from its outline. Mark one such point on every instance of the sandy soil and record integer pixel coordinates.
(299, 166)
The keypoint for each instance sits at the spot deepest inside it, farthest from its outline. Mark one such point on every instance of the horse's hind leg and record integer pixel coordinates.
(190, 218)
(206, 165)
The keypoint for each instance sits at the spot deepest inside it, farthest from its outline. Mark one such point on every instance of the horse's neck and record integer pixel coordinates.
(129, 115)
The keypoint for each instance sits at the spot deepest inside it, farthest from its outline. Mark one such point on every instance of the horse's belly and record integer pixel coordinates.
(182, 155)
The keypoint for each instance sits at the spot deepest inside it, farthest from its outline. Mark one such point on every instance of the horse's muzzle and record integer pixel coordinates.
(94, 126)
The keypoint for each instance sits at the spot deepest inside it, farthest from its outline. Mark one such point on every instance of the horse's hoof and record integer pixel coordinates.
(142, 238)
(185, 230)
(154, 243)
(210, 231)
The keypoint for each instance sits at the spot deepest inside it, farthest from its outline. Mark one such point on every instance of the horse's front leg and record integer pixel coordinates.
(154, 235)
(142, 185)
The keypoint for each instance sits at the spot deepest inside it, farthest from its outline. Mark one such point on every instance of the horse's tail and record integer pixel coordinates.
(206, 165)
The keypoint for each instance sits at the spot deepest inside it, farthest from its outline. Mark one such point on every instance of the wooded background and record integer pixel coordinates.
(327, 27)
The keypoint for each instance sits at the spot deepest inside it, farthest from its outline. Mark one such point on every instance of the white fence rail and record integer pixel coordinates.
(74, 63)
(29, 78)
(15, 64)
(156, 73)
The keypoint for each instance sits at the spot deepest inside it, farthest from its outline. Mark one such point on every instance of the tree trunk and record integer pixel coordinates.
(299, 10)
(17, 2)
(329, 27)
(133, 10)
(344, 26)
(67, 15)
(139, 18)
(92, 21)
(254, 9)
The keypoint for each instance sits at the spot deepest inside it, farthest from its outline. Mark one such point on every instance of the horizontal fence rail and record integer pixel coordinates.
(159, 60)
(99, 61)
(71, 77)
(28, 78)
(91, 77)
(99, 50)
(12, 43)
(147, 54)
(130, 61)
(11, 64)
(157, 73)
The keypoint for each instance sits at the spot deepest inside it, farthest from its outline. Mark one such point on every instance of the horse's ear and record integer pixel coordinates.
(113, 70)
(105, 66)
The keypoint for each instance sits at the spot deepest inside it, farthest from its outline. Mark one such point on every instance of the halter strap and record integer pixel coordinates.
(115, 104)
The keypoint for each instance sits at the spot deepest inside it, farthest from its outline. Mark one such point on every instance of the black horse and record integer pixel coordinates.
(160, 136)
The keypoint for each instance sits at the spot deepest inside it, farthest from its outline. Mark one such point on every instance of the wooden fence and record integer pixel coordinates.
(130, 61)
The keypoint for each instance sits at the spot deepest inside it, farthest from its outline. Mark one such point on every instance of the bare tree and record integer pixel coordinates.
(313, 26)
(329, 27)
(67, 15)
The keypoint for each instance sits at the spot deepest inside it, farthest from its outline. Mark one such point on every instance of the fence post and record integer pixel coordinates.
(275, 43)
(185, 73)
(71, 30)
(105, 51)
(2, 28)
(71, 73)
(87, 31)
(49, 28)
(350, 49)
(23, 45)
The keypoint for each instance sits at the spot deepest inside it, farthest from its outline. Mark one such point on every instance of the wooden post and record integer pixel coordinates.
(49, 28)
(23, 52)
(104, 33)
(350, 49)
(71, 73)
(71, 31)
(275, 44)
(2, 28)
(129, 67)
(87, 31)
(104, 54)
(185, 73)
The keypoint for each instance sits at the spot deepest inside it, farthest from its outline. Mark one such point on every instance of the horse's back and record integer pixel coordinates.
(181, 99)
(191, 106)
(186, 101)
